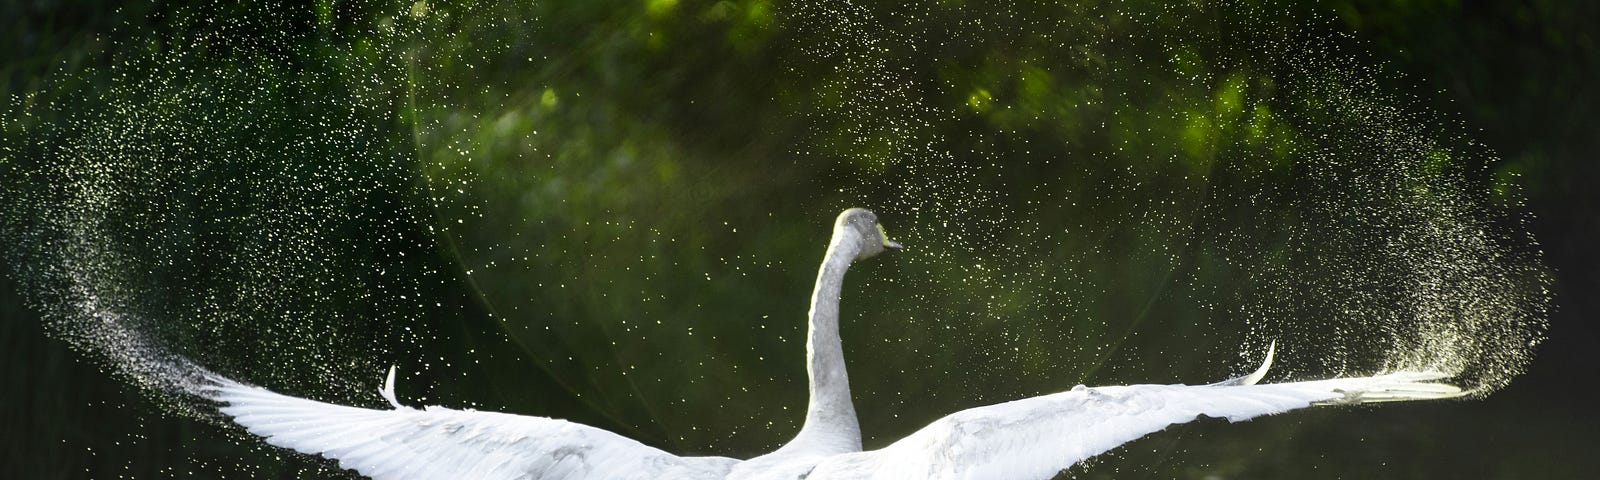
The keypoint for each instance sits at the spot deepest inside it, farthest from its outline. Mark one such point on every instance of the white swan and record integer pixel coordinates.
(1033, 438)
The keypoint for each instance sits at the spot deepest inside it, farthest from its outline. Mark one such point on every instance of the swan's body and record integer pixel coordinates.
(1032, 438)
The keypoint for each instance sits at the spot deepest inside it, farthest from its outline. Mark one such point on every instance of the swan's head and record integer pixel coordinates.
(861, 225)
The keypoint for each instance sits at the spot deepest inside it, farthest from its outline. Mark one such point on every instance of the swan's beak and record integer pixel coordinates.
(887, 243)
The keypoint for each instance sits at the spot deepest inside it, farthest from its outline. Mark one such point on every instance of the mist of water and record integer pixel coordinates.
(1107, 193)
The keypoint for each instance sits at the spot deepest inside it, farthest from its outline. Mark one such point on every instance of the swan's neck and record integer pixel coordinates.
(830, 416)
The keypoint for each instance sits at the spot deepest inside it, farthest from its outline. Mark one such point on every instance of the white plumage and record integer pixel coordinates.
(1032, 438)
(1035, 438)
(442, 443)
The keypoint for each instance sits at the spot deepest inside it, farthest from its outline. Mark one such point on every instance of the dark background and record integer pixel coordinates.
(1517, 76)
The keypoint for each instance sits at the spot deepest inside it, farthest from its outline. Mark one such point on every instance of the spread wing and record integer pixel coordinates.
(1036, 438)
(442, 443)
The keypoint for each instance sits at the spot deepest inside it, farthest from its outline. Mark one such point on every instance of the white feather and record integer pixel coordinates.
(442, 443)
(1036, 438)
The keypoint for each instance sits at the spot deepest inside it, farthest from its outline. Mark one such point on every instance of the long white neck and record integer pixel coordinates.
(830, 416)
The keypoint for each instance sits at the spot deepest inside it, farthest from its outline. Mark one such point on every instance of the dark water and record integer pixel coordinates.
(611, 212)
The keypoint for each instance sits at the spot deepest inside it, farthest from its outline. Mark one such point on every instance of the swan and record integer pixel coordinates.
(1031, 438)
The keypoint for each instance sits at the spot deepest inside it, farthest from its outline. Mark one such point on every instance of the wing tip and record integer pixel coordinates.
(215, 387)
(1402, 386)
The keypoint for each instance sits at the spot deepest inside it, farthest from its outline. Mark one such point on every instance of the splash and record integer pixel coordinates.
(617, 224)
(191, 201)
(1180, 171)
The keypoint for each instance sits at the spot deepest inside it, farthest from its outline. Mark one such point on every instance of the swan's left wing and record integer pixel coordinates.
(1036, 438)
(442, 443)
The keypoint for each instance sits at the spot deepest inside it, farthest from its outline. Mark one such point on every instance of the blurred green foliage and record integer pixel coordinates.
(610, 211)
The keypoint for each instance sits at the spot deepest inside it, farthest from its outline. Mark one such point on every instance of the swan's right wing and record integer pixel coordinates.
(441, 443)
(1036, 438)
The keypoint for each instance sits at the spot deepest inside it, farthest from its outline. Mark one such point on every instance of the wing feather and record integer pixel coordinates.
(443, 443)
(1036, 438)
